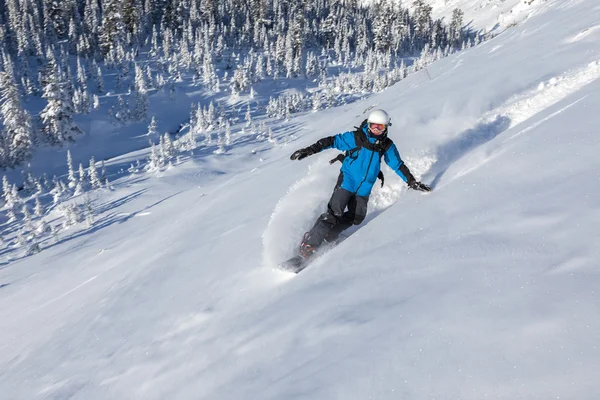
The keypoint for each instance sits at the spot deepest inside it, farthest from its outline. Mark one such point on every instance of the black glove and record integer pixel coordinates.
(416, 185)
(321, 144)
(302, 153)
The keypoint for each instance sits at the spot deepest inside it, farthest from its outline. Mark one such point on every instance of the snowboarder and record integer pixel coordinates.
(361, 166)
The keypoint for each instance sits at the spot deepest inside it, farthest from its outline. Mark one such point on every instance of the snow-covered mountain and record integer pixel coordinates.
(485, 288)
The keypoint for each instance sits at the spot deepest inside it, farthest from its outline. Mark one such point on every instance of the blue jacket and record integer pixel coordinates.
(361, 169)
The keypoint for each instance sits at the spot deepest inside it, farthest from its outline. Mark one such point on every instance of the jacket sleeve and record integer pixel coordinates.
(393, 160)
(342, 141)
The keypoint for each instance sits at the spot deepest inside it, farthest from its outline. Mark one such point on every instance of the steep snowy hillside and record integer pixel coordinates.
(485, 288)
(491, 15)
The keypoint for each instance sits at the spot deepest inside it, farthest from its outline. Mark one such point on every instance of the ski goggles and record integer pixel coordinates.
(377, 128)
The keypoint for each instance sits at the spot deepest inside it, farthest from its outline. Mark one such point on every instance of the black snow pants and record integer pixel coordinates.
(330, 224)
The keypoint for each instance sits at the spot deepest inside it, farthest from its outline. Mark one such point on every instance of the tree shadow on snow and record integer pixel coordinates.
(451, 151)
(101, 223)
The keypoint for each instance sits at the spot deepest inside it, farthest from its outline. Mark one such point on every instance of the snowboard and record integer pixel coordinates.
(298, 263)
(295, 264)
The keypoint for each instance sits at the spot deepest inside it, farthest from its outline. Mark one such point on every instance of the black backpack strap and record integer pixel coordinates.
(340, 157)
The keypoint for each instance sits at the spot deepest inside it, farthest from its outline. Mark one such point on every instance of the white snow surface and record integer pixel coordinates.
(485, 288)
(491, 15)
(488, 15)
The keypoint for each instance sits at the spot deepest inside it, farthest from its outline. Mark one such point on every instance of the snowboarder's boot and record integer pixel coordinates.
(300, 261)
(306, 250)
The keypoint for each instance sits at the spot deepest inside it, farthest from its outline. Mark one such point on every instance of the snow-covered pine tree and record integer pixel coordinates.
(102, 171)
(132, 19)
(95, 102)
(26, 217)
(89, 215)
(455, 30)
(200, 122)
(82, 175)
(9, 201)
(81, 101)
(113, 30)
(140, 109)
(55, 22)
(311, 69)
(149, 78)
(210, 116)
(38, 208)
(11, 198)
(99, 80)
(423, 22)
(119, 112)
(220, 143)
(167, 148)
(81, 181)
(155, 162)
(71, 214)
(71, 171)
(81, 74)
(16, 139)
(57, 191)
(193, 115)
(152, 127)
(57, 116)
(270, 136)
(248, 116)
(93, 174)
(29, 184)
(316, 100)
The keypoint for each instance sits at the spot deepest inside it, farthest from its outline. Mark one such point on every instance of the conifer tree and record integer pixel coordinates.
(57, 116)
(248, 116)
(93, 174)
(7, 194)
(455, 28)
(16, 139)
(155, 161)
(38, 209)
(81, 179)
(113, 29)
(141, 95)
(167, 148)
(57, 25)
(153, 127)
(99, 81)
(71, 172)
(26, 216)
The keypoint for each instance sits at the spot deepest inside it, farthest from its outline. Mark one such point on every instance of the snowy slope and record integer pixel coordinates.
(491, 15)
(485, 288)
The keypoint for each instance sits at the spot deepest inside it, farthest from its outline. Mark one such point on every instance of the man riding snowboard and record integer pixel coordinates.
(361, 166)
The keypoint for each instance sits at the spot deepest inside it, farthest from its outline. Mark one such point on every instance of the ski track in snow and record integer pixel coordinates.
(523, 107)
(583, 34)
(518, 110)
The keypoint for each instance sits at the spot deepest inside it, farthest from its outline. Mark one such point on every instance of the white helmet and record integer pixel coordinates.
(379, 117)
